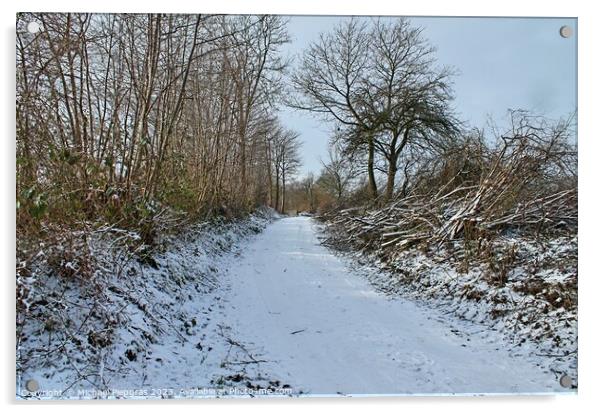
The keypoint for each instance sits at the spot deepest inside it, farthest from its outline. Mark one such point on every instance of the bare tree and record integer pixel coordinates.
(308, 184)
(381, 85)
(339, 172)
(331, 83)
(408, 92)
(256, 70)
(286, 160)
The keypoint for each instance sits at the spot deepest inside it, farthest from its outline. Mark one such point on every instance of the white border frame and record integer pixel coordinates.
(589, 188)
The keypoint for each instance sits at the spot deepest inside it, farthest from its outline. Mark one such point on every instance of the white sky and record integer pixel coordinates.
(503, 63)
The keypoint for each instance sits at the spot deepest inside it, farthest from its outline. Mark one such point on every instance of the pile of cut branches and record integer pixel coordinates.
(527, 182)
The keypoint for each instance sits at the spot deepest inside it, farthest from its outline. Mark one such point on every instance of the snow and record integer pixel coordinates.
(330, 332)
(226, 310)
(522, 309)
(152, 329)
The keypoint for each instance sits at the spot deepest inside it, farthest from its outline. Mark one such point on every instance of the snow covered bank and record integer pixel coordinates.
(533, 306)
(225, 309)
(139, 326)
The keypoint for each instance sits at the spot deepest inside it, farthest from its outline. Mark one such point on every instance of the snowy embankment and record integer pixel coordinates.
(230, 309)
(152, 327)
(533, 306)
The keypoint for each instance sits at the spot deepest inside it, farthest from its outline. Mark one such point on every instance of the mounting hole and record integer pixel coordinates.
(566, 31)
(33, 27)
(566, 381)
(32, 385)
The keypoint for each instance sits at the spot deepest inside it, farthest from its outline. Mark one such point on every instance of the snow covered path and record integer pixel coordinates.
(325, 330)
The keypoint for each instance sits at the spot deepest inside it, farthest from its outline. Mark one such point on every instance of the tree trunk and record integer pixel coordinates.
(268, 158)
(276, 203)
(283, 192)
(371, 179)
(391, 172)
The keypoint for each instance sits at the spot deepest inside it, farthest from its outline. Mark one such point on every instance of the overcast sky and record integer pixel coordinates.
(503, 63)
